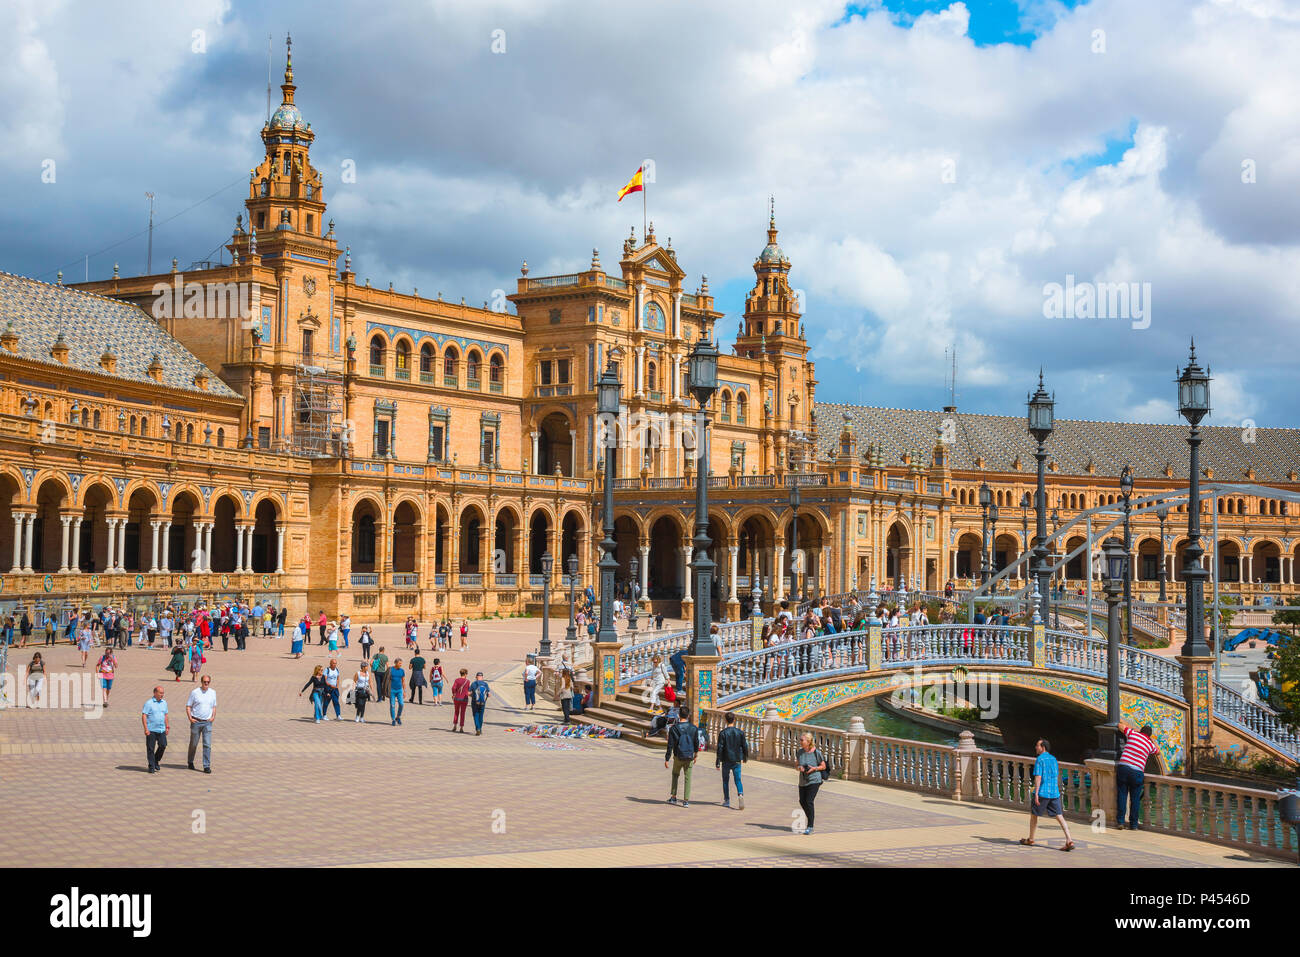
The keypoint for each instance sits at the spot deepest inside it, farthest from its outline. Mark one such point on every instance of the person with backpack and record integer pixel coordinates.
(435, 681)
(732, 751)
(379, 668)
(464, 634)
(479, 692)
(459, 700)
(683, 747)
(813, 770)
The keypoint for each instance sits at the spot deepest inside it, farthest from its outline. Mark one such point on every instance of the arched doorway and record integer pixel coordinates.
(471, 541)
(10, 496)
(139, 556)
(969, 558)
(539, 540)
(570, 535)
(554, 445)
(47, 529)
(503, 547)
(666, 573)
(265, 537)
(1266, 563)
(365, 537)
(406, 530)
(442, 540)
(1229, 556)
(183, 543)
(92, 549)
(898, 555)
(224, 513)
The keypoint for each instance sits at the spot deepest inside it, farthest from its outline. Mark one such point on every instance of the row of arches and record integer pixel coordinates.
(471, 543)
(433, 364)
(60, 532)
(1265, 562)
(73, 412)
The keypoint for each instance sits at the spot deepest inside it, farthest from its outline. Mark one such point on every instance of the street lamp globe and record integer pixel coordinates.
(1116, 559)
(796, 498)
(993, 514)
(607, 390)
(1041, 417)
(986, 495)
(1194, 390)
(547, 564)
(1126, 482)
(702, 370)
(573, 565)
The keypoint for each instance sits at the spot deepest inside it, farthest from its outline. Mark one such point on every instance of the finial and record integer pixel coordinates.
(523, 271)
(175, 264)
(252, 241)
(60, 278)
(331, 229)
(595, 259)
(239, 223)
(234, 257)
(771, 210)
(114, 273)
(704, 285)
(347, 258)
(1036, 602)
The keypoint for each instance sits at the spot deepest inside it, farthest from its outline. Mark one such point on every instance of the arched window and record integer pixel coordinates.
(221, 438)
(472, 363)
(96, 418)
(742, 407)
(85, 417)
(726, 406)
(651, 377)
(377, 355)
(451, 366)
(189, 431)
(402, 358)
(366, 540)
(426, 360)
(265, 188)
(496, 373)
(144, 425)
(134, 423)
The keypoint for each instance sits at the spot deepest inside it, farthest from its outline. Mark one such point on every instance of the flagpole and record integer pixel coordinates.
(644, 187)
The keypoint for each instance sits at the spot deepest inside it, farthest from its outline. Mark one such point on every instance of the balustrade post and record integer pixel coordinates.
(855, 749)
(701, 684)
(1104, 795)
(1198, 691)
(767, 744)
(965, 785)
(604, 656)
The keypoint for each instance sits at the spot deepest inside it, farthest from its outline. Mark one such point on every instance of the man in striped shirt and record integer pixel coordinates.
(1129, 772)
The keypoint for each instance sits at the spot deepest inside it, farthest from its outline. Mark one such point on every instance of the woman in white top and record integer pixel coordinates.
(361, 691)
(658, 678)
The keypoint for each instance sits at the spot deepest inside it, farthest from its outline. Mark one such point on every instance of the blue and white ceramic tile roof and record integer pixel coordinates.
(90, 323)
(1273, 454)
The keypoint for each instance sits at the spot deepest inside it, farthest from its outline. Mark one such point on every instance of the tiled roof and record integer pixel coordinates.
(1108, 446)
(90, 323)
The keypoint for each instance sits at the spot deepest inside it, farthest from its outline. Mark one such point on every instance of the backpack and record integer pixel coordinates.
(685, 745)
(821, 759)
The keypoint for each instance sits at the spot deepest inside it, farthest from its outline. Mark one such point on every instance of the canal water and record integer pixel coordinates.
(879, 721)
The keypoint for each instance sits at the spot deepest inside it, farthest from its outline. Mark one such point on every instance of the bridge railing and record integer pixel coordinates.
(1256, 719)
(1070, 652)
(636, 661)
(1247, 818)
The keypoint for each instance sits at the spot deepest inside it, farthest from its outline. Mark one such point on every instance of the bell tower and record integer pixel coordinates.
(771, 322)
(284, 192)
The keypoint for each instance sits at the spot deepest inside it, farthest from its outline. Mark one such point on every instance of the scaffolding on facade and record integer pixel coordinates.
(318, 427)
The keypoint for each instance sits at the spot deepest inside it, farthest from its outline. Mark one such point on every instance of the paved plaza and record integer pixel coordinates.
(287, 791)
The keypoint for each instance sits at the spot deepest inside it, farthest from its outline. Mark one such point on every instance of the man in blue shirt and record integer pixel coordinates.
(479, 692)
(153, 716)
(1045, 800)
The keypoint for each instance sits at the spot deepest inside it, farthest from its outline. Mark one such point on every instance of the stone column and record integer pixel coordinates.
(121, 545)
(153, 555)
(209, 529)
(76, 545)
(239, 548)
(733, 552)
(165, 564)
(533, 469)
(279, 548)
(824, 572)
(687, 592)
(677, 315)
(18, 543)
(638, 376)
(65, 520)
(30, 521)
(485, 555)
(778, 578)
(248, 564)
(573, 451)
(109, 564)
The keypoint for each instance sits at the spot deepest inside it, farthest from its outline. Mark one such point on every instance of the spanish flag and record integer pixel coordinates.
(634, 185)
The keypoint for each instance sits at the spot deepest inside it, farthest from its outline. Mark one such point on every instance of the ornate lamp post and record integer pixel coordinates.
(1117, 562)
(795, 557)
(547, 564)
(1162, 513)
(993, 541)
(571, 633)
(607, 398)
(635, 567)
(1194, 405)
(1041, 421)
(1126, 496)
(986, 499)
(702, 366)
(1056, 524)
(1024, 527)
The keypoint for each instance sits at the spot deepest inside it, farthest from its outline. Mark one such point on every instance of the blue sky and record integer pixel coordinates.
(935, 165)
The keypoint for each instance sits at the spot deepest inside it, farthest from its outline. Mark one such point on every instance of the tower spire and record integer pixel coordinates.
(287, 87)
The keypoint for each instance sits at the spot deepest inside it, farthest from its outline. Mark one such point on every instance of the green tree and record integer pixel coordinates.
(1286, 666)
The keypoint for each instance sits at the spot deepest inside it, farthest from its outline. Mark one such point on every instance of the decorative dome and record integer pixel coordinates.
(287, 117)
(771, 254)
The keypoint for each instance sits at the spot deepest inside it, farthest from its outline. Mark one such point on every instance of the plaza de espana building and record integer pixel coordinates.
(278, 428)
